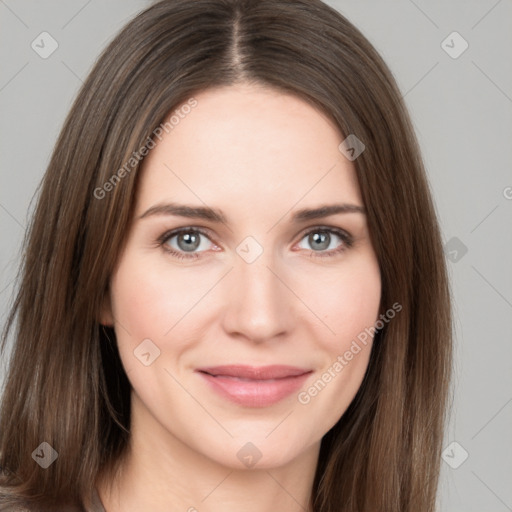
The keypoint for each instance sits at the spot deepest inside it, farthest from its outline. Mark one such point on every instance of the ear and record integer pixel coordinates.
(106, 316)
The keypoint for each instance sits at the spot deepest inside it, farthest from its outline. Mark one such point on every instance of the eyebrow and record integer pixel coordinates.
(216, 215)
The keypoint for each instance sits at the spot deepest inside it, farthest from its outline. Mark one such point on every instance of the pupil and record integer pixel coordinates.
(321, 240)
(191, 241)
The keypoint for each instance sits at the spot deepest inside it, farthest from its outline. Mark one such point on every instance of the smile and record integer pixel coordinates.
(254, 386)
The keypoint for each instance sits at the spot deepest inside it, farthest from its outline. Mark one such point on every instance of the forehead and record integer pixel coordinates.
(245, 147)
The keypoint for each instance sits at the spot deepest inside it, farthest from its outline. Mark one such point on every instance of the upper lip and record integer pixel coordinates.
(254, 372)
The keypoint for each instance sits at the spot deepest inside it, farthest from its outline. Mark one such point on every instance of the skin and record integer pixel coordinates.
(259, 155)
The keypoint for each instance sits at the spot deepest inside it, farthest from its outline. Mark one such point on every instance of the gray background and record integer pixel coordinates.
(461, 108)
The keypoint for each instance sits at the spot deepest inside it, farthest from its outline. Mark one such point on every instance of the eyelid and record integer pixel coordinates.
(164, 237)
(321, 227)
(345, 236)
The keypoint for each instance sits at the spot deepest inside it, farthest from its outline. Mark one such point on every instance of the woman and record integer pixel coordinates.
(233, 293)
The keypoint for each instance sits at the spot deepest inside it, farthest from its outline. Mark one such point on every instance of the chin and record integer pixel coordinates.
(256, 452)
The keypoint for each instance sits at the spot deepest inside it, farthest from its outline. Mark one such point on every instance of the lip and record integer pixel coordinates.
(254, 386)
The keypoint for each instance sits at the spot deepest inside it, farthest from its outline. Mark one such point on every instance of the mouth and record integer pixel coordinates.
(252, 386)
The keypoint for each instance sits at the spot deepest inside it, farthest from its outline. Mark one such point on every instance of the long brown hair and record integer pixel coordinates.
(66, 385)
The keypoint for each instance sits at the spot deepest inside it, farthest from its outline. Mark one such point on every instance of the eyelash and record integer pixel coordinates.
(344, 236)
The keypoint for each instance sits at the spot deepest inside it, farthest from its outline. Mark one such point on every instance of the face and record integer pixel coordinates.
(235, 304)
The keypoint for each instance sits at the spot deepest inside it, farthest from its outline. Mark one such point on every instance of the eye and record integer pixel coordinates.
(189, 243)
(326, 241)
(185, 243)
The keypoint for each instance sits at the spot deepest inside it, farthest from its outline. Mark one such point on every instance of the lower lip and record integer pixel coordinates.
(255, 393)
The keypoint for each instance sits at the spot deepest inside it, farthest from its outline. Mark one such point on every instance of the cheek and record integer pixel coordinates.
(358, 305)
(143, 305)
(346, 302)
(146, 300)
(330, 309)
(150, 300)
(349, 307)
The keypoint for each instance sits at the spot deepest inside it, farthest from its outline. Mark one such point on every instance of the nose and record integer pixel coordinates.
(259, 306)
